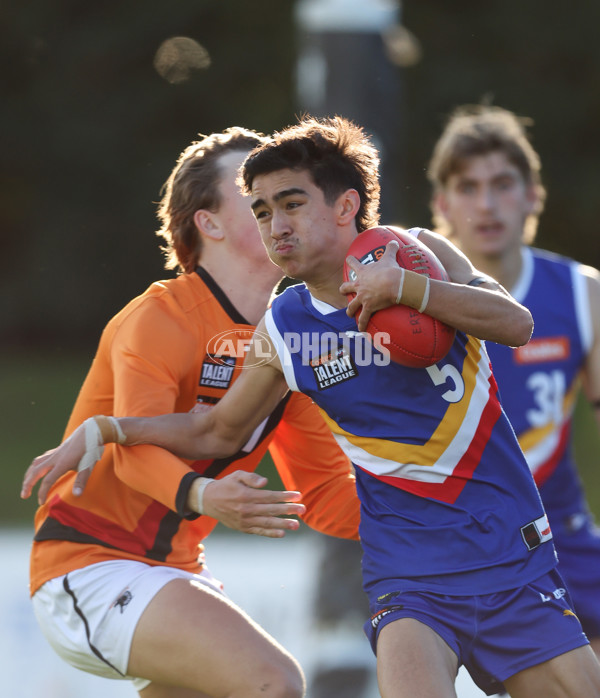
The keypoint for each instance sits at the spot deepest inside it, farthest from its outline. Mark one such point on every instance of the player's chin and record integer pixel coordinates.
(492, 241)
(288, 266)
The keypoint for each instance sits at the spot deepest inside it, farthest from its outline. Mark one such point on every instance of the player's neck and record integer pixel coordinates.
(248, 289)
(328, 290)
(505, 268)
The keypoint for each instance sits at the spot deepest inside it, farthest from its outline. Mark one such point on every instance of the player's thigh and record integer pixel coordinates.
(574, 674)
(579, 564)
(595, 645)
(413, 660)
(191, 636)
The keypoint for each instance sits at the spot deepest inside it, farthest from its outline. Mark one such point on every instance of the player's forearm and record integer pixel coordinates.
(487, 313)
(190, 435)
(494, 316)
(482, 313)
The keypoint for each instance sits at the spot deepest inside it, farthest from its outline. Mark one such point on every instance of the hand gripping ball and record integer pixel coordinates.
(413, 339)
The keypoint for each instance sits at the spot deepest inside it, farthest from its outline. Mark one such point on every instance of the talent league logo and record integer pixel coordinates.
(333, 368)
(217, 371)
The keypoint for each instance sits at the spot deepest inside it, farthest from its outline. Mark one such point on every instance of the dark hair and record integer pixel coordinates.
(336, 152)
(479, 129)
(194, 184)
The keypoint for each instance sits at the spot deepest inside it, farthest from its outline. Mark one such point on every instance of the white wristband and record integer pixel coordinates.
(400, 287)
(425, 296)
(204, 481)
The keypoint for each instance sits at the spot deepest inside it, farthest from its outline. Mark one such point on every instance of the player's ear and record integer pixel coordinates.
(207, 224)
(533, 200)
(348, 204)
(439, 204)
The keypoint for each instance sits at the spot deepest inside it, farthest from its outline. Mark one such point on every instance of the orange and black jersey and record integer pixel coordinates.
(159, 355)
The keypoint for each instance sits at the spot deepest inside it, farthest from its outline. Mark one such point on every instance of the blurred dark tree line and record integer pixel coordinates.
(90, 129)
(91, 132)
(539, 59)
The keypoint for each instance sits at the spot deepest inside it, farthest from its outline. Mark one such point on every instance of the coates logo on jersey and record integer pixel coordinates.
(538, 351)
(235, 344)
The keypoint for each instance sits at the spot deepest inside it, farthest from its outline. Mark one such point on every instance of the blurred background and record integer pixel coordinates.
(98, 100)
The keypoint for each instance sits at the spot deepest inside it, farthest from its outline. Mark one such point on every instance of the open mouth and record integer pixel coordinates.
(489, 229)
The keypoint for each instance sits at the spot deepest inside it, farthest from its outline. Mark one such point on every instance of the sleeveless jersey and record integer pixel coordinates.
(170, 347)
(447, 501)
(539, 381)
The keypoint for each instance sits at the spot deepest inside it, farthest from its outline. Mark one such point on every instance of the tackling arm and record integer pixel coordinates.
(216, 432)
(220, 431)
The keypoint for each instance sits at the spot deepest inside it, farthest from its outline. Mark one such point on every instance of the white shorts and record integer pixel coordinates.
(89, 615)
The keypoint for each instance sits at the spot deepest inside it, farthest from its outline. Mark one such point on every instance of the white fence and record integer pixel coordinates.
(273, 580)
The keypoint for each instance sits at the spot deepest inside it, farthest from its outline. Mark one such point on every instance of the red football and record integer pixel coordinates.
(415, 339)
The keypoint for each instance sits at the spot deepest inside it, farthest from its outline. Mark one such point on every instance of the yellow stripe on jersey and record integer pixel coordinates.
(450, 426)
(532, 437)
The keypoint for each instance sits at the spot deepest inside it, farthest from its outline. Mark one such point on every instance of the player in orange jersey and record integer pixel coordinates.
(117, 582)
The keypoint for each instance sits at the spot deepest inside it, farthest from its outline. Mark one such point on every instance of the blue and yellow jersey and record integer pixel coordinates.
(447, 500)
(539, 381)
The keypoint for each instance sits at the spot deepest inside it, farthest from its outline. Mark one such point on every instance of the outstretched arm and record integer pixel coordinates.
(198, 435)
(486, 311)
(220, 431)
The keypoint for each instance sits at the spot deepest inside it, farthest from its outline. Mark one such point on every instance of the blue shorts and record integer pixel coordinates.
(578, 549)
(493, 635)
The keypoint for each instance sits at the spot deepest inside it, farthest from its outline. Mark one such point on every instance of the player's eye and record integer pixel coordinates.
(505, 183)
(466, 187)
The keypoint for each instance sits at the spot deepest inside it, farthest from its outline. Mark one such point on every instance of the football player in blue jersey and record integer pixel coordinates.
(458, 565)
(487, 198)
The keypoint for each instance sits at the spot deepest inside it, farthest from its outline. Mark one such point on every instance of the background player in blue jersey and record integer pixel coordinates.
(459, 564)
(487, 197)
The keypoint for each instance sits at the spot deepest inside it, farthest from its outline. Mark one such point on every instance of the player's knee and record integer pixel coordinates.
(284, 680)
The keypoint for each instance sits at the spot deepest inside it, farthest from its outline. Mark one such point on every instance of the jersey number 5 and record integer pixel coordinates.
(448, 374)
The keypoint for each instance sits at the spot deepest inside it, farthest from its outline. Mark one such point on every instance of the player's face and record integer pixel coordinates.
(237, 219)
(300, 230)
(486, 205)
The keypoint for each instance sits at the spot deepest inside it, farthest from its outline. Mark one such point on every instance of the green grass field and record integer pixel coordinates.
(37, 392)
(587, 452)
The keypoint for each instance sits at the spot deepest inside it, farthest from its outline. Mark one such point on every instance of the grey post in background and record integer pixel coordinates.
(349, 57)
